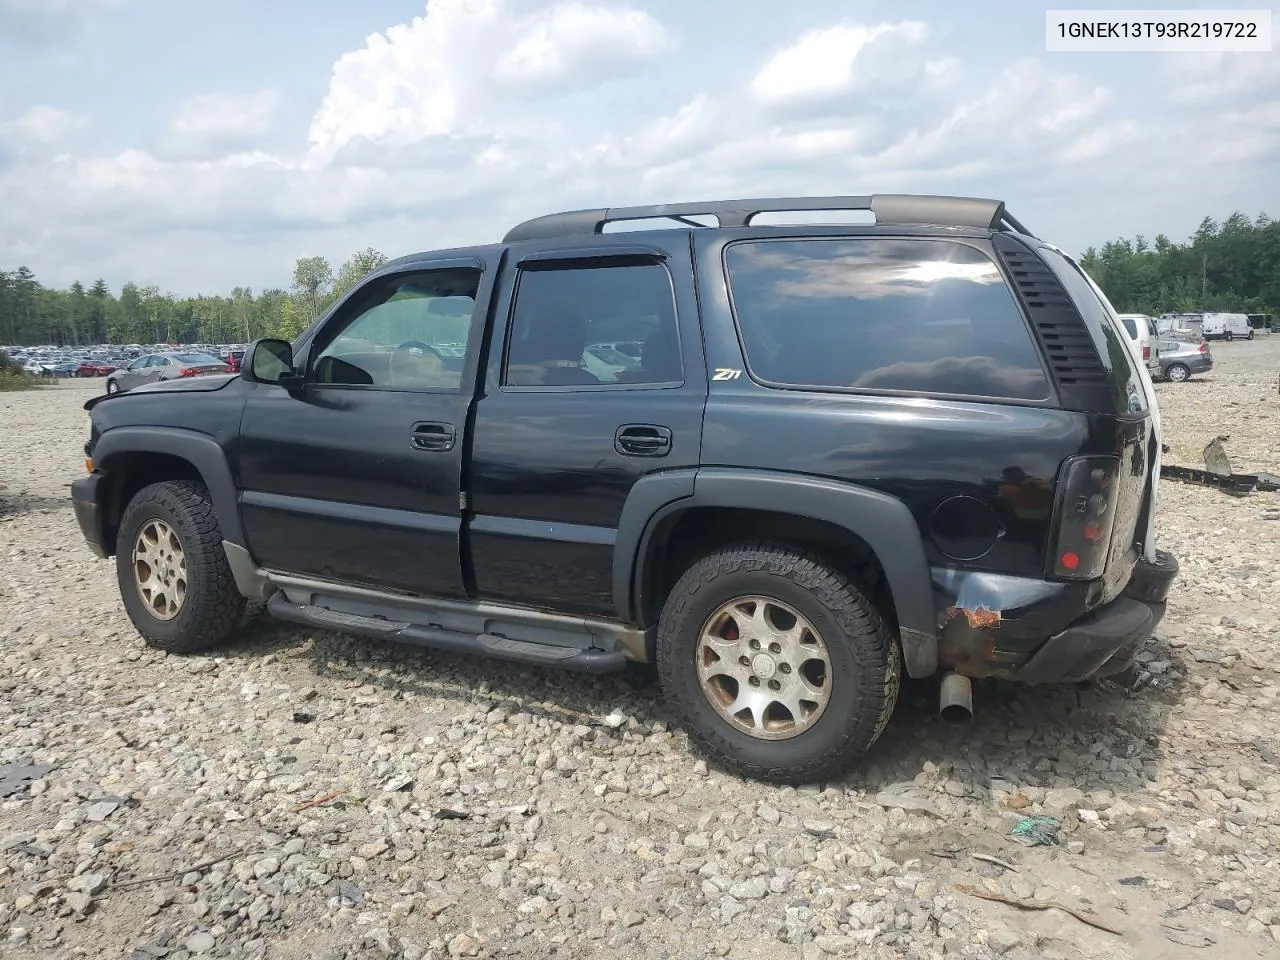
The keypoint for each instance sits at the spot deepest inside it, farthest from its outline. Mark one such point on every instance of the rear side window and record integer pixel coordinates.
(611, 322)
(1130, 326)
(915, 316)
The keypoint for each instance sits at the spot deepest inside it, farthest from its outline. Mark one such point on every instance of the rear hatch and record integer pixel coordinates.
(1105, 503)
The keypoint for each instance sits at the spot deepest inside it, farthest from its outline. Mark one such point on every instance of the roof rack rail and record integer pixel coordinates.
(889, 208)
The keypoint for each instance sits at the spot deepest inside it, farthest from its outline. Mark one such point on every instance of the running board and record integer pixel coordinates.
(583, 660)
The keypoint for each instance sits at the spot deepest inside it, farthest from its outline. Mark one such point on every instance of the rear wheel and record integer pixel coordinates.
(173, 574)
(1178, 372)
(782, 668)
(1228, 336)
(113, 387)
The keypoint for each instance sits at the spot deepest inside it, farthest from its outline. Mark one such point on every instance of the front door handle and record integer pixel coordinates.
(642, 440)
(432, 436)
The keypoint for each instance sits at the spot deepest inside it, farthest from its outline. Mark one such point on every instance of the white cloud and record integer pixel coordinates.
(479, 113)
(225, 117)
(450, 72)
(573, 38)
(822, 63)
(41, 125)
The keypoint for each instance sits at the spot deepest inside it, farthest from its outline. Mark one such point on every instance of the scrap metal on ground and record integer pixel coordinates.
(1219, 473)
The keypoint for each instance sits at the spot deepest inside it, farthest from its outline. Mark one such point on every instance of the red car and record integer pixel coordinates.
(95, 368)
(233, 360)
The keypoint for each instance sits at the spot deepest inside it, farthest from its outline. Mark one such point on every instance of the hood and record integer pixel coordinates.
(205, 384)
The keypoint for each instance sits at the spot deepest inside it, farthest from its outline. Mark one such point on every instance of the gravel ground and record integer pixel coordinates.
(468, 808)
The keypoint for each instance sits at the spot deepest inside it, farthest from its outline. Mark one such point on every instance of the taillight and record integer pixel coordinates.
(1204, 348)
(1085, 512)
(188, 372)
(1146, 352)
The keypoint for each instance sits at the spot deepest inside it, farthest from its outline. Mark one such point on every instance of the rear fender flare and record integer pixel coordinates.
(883, 521)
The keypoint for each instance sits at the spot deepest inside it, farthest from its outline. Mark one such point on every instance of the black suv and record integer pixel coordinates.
(783, 462)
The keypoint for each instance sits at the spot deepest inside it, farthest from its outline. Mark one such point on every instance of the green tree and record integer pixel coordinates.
(312, 277)
(362, 263)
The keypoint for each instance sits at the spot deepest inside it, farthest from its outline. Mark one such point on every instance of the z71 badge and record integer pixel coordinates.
(726, 373)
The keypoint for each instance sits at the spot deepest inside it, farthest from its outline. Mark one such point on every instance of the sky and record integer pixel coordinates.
(203, 146)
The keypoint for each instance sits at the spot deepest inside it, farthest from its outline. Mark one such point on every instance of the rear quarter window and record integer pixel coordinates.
(884, 315)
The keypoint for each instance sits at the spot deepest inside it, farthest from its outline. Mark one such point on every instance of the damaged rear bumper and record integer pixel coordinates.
(1041, 631)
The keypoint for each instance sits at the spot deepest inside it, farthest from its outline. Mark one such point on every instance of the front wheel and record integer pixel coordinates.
(1250, 336)
(1177, 372)
(782, 668)
(113, 387)
(172, 571)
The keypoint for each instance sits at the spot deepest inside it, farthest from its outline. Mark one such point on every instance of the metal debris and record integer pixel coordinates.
(1220, 474)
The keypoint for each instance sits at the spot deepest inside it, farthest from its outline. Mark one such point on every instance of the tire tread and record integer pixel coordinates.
(214, 607)
(871, 642)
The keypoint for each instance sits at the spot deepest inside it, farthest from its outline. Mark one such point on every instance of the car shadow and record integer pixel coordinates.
(1099, 736)
(12, 504)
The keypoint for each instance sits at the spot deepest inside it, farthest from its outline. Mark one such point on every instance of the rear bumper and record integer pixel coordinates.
(1109, 637)
(1040, 631)
(84, 499)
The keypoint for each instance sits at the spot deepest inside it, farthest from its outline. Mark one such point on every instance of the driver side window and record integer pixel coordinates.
(405, 331)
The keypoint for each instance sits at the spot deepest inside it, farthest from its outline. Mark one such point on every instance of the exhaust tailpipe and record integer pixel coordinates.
(955, 701)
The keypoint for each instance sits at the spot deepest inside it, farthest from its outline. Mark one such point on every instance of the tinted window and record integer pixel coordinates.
(568, 322)
(1130, 326)
(196, 358)
(403, 331)
(913, 315)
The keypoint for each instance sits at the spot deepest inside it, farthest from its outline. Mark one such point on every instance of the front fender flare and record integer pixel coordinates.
(198, 449)
(883, 521)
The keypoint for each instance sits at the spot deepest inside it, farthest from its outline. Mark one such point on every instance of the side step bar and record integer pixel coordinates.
(505, 648)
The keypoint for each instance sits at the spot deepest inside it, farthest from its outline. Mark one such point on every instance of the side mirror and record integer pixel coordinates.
(270, 361)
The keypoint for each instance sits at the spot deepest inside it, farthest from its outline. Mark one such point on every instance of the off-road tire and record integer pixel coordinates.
(213, 608)
(865, 661)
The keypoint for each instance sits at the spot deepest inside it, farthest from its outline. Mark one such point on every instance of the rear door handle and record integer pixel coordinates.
(432, 436)
(642, 440)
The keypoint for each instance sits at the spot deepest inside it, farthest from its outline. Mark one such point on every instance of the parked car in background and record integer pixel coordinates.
(233, 359)
(1142, 331)
(1179, 359)
(171, 365)
(94, 368)
(1226, 326)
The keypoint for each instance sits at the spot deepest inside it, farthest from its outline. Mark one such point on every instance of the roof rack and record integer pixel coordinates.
(889, 208)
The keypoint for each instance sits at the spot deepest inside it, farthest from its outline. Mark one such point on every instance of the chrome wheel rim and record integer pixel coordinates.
(764, 668)
(160, 569)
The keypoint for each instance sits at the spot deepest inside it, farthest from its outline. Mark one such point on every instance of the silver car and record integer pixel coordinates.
(1179, 359)
(170, 365)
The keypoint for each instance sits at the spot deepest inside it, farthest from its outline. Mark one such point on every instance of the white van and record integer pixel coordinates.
(1226, 326)
(1142, 331)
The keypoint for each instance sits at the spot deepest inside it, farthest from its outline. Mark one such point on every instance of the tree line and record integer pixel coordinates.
(1232, 266)
(31, 313)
